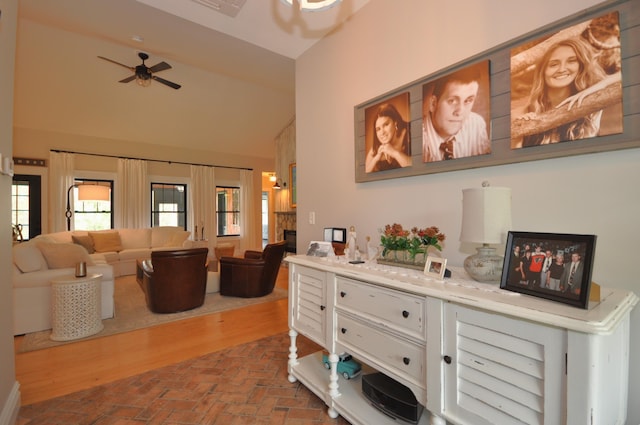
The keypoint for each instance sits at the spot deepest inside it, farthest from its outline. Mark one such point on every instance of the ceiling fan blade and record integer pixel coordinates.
(166, 82)
(128, 79)
(118, 63)
(160, 67)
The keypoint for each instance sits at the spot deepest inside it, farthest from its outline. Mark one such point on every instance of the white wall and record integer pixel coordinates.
(390, 44)
(9, 388)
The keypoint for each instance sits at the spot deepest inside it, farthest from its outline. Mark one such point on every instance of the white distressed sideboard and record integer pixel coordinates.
(470, 352)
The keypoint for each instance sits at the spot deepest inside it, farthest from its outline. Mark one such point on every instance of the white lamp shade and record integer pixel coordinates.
(93, 192)
(486, 214)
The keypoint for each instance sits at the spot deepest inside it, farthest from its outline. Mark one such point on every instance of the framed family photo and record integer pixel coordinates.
(554, 266)
(435, 267)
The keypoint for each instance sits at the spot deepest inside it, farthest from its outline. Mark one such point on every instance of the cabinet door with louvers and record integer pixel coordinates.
(499, 370)
(308, 302)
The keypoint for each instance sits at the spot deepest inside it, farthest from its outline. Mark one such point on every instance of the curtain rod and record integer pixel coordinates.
(151, 160)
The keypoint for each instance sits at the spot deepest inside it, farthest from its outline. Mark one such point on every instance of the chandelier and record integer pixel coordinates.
(313, 5)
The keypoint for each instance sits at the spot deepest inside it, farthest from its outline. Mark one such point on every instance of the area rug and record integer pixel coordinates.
(132, 313)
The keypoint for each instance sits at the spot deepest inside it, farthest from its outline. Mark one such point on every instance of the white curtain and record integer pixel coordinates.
(249, 237)
(61, 166)
(203, 203)
(132, 203)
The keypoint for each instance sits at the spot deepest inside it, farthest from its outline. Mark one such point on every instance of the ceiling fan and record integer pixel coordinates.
(144, 74)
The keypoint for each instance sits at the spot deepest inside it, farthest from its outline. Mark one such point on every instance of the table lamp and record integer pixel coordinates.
(486, 218)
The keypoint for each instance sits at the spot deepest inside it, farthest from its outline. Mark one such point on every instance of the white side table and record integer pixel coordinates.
(76, 307)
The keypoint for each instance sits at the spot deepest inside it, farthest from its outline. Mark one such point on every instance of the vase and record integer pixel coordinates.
(420, 258)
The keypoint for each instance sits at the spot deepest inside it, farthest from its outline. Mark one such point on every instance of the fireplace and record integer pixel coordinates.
(290, 239)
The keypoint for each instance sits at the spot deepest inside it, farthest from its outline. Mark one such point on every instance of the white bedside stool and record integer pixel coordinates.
(76, 307)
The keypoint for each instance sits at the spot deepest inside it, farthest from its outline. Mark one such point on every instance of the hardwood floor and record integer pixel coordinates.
(49, 373)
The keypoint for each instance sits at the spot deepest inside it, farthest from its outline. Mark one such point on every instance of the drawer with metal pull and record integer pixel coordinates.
(398, 310)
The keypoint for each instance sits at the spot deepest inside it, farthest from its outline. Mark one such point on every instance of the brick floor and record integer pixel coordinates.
(242, 385)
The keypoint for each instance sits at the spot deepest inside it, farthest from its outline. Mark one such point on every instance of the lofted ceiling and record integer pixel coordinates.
(237, 72)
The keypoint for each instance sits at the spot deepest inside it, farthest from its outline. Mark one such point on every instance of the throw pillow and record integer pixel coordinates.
(64, 255)
(106, 241)
(85, 241)
(28, 258)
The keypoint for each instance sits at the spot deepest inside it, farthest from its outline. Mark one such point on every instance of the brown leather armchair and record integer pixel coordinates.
(175, 280)
(254, 275)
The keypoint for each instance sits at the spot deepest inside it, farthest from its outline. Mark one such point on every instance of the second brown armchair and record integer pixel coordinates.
(254, 275)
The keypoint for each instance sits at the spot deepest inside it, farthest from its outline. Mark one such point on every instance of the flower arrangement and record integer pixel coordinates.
(396, 238)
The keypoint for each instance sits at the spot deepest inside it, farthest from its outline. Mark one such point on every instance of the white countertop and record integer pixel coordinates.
(600, 318)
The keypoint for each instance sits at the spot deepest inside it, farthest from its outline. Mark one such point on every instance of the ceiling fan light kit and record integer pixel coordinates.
(313, 6)
(144, 74)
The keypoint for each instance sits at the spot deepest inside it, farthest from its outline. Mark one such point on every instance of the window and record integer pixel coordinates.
(169, 204)
(92, 214)
(26, 205)
(228, 210)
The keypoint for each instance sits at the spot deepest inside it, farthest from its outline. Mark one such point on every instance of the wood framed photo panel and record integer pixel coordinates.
(554, 266)
(567, 88)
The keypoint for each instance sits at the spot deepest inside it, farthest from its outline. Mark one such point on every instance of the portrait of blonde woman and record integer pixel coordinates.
(572, 88)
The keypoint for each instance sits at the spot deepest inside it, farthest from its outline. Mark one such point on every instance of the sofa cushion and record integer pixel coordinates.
(109, 257)
(64, 255)
(135, 238)
(85, 241)
(134, 254)
(106, 241)
(178, 238)
(162, 235)
(28, 258)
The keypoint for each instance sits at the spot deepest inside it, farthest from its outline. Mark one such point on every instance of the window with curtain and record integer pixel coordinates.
(169, 204)
(228, 210)
(92, 214)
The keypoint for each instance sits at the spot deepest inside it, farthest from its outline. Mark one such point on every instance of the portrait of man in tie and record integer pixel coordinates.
(456, 114)
(571, 279)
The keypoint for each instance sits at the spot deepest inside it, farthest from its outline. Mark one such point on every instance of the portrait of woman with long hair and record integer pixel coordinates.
(567, 73)
(390, 145)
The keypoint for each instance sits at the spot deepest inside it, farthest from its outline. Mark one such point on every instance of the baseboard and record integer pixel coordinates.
(9, 413)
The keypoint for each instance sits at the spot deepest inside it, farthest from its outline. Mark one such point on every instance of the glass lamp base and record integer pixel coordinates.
(485, 266)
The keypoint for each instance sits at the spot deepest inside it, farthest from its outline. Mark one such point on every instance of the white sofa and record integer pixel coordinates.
(113, 254)
(122, 247)
(31, 280)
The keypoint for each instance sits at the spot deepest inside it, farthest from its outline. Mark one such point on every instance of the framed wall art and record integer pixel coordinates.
(599, 112)
(387, 135)
(293, 192)
(550, 265)
(550, 75)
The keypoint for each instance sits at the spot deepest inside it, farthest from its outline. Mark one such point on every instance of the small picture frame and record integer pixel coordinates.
(554, 266)
(435, 267)
(320, 249)
(335, 234)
